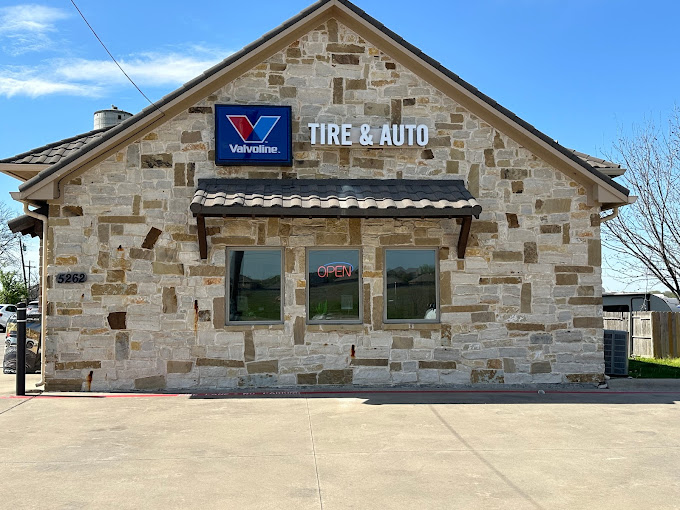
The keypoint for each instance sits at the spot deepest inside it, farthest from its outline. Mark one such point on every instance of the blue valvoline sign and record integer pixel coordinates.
(253, 135)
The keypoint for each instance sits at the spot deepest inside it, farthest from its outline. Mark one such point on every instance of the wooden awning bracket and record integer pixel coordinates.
(202, 237)
(464, 236)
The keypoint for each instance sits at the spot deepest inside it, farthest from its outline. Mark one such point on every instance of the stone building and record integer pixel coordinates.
(460, 246)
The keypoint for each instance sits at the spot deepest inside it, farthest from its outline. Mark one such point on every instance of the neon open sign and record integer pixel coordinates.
(339, 269)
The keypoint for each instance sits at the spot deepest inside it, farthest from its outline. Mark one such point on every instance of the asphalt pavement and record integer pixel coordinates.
(440, 448)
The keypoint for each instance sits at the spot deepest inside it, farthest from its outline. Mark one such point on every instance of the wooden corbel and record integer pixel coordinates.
(464, 236)
(202, 237)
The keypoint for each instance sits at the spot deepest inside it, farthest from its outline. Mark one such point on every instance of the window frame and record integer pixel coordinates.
(437, 283)
(229, 249)
(360, 283)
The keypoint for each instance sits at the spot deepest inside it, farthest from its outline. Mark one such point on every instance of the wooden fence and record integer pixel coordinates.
(652, 334)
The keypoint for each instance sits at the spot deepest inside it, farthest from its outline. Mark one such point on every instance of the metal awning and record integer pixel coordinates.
(349, 198)
(365, 198)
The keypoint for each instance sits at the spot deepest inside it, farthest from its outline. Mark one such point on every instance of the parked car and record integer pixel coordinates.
(33, 345)
(5, 312)
(11, 327)
(33, 306)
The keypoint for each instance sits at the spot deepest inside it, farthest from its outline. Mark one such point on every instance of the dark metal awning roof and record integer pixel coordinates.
(365, 198)
(353, 198)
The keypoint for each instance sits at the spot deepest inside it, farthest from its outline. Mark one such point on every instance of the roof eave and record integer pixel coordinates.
(337, 212)
(613, 172)
(22, 171)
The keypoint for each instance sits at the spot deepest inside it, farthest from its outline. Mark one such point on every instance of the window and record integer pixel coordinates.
(254, 290)
(411, 285)
(333, 286)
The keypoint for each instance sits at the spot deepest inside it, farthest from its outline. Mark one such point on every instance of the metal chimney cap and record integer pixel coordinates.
(108, 118)
(113, 108)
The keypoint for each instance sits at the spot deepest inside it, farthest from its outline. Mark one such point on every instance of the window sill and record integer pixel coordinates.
(312, 328)
(416, 325)
(279, 326)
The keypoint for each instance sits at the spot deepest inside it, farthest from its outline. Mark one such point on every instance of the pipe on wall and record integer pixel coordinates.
(611, 216)
(43, 291)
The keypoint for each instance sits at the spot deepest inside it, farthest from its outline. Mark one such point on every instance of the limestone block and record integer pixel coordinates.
(156, 382)
(546, 378)
(366, 375)
(428, 376)
(337, 377)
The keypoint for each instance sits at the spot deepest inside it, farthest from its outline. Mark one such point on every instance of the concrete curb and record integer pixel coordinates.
(619, 385)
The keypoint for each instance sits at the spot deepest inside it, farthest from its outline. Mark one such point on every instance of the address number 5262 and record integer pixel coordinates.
(71, 277)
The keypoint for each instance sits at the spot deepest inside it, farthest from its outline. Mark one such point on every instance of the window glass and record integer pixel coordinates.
(411, 285)
(333, 285)
(254, 286)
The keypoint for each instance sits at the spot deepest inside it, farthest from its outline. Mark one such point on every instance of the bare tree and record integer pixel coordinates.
(9, 241)
(644, 240)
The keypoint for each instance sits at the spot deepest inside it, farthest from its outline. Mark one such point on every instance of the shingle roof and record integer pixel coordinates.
(606, 167)
(52, 153)
(278, 30)
(334, 197)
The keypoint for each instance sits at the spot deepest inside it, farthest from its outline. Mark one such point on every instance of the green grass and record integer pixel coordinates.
(650, 368)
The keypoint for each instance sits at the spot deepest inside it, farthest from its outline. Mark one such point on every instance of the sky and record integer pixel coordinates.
(581, 71)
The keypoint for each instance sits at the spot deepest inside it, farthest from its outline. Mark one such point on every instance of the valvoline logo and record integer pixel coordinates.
(253, 135)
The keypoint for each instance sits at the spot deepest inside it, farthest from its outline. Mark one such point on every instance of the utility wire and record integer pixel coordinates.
(112, 57)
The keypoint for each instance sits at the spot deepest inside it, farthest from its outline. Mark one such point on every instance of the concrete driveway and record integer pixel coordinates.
(335, 451)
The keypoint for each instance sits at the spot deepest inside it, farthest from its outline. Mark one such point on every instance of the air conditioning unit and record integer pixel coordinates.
(615, 352)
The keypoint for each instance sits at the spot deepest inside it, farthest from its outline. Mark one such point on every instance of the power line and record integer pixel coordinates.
(112, 57)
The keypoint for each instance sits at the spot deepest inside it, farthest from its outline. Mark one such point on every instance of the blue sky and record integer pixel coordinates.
(578, 70)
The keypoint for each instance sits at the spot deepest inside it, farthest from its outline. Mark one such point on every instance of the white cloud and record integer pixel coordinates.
(25, 28)
(35, 87)
(88, 77)
(31, 27)
(152, 69)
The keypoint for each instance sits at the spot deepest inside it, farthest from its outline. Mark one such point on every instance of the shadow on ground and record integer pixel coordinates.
(387, 397)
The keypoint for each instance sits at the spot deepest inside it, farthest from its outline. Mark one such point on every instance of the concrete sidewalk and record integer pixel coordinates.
(393, 449)
(8, 384)
(630, 384)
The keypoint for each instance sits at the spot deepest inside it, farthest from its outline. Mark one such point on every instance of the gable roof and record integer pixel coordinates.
(602, 188)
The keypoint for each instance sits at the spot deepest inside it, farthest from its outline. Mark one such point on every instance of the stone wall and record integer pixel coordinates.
(523, 306)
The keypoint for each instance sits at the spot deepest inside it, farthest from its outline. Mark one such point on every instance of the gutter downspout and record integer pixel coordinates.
(611, 216)
(43, 291)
